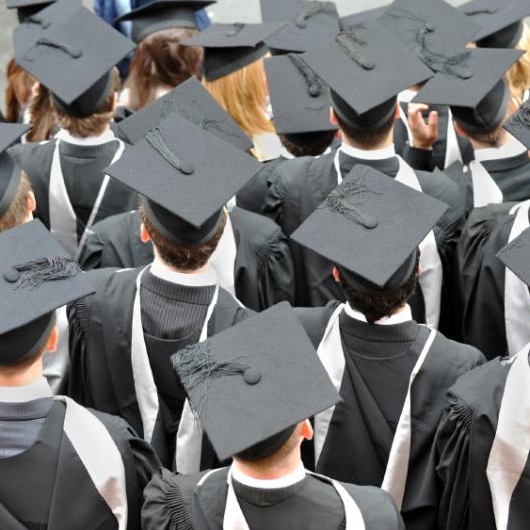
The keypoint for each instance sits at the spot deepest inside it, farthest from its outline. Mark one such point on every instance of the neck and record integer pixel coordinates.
(387, 141)
(276, 470)
(13, 377)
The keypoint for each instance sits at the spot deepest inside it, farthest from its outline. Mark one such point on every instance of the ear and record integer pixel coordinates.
(333, 117)
(513, 106)
(31, 203)
(306, 430)
(144, 234)
(336, 275)
(53, 340)
(396, 111)
(460, 131)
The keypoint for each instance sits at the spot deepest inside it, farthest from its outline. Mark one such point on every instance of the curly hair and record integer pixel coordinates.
(160, 61)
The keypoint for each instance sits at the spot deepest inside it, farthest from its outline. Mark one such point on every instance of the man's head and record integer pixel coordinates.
(307, 144)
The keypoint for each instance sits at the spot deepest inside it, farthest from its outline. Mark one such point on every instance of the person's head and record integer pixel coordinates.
(375, 303)
(183, 257)
(96, 123)
(18, 92)
(22, 206)
(307, 144)
(160, 62)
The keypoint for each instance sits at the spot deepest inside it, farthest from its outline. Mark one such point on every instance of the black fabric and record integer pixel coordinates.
(512, 175)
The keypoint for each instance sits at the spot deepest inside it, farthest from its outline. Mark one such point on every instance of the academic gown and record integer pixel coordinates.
(102, 374)
(301, 185)
(263, 269)
(82, 168)
(356, 442)
(49, 486)
(177, 502)
(465, 445)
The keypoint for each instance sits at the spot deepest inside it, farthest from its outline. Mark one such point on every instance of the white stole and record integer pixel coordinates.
(63, 220)
(485, 189)
(224, 258)
(511, 446)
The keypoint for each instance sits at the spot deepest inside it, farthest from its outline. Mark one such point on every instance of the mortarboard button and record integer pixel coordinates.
(12, 275)
(252, 376)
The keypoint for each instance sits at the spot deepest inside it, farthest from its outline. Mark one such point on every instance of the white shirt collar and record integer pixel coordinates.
(22, 394)
(376, 154)
(283, 482)
(513, 148)
(162, 271)
(402, 316)
(105, 138)
(406, 96)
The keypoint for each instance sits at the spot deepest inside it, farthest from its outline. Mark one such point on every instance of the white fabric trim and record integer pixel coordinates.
(283, 482)
(512, 148)
(485, 189)
(395, 480)
(404, 314)
(375, 154)
(223, 259)
(164, 272)
(22, 394)
(105, 138)
(452, 148)
(286, 154)
(100, 457)
(511, 446)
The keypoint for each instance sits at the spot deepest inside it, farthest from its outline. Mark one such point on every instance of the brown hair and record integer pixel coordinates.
(243, 95)
(18, 210)
(160, 60)
(518, 76)
(185, 258)
(42, 117)
(18, 92)
(366, 138)
(96, 123)
(307, 144)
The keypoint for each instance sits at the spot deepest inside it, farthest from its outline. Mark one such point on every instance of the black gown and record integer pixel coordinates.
(101, 373)
(464, 442)
(263, 269)
(174, 502)
(48, 485)
(379, 360)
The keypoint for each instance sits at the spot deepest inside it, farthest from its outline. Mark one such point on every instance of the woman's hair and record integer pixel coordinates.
(160, 61)
(243, 95)
(94, 124)
(518, 77)
(41, 116)
(18, 92)
(17, 212)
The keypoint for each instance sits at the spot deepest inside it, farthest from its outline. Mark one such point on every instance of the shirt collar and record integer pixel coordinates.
(283, 482)
(376, 154)
(402, 316)
(406, 96)
(105, 138)
(162, 271)
(513, 148)
(21, 394)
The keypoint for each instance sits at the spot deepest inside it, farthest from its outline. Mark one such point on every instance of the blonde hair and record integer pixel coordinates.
(518, 77)
(243, 95)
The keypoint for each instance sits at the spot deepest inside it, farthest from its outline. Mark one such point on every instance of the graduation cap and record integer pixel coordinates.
(362, 16)
(163, 14)
(9, 173)
(36, 278)
(299, 98)
(500, 21)
(516, 256)
(74, 61)
(365, 69)
(370, 227)
(519, 124)
(186, 175)
(27, 8)
(253, 383)
(475, 91)
(312, 24)
(194, 103)
(230, 47)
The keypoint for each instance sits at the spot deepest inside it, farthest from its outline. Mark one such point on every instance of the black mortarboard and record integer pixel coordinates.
(75, 60)
(500, 21)
(299, 98)
(519, 124)
(361, 17)
(27, 8)
(516, 256)
(163, 14)
(36, 278)
(187, 175)
(230, 47)
(370, 226)
(476, 91)
(254, 382)
(9, 172)
(365, 70)
(312, 24)
(193, 102)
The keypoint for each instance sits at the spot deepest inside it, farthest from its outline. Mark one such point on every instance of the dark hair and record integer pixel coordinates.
(307, 144)
(487, 138)
(375, 305)
(273, 449)
(18, 209)
(369, 137)
(161, 60)
(182, 257)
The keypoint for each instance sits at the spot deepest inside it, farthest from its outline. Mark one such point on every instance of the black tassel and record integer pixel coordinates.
(33, 273)
(315, 87)
(350, 43)
(310, 9)
(74, 53)
(483, 11)
(157, 142)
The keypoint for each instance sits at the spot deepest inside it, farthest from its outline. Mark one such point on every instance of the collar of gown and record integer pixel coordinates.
(105, 138)
(283, 482)
(513, 148)
(376, 154)
(21, 394)
(161, 270)
(402, 316)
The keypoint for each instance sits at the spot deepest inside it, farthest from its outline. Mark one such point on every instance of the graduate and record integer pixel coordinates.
(391, 372)
(252, 260)
(122, 338)
(365, 118)
(266, 363)
(482, 442)
(51, 477)
(67, 172)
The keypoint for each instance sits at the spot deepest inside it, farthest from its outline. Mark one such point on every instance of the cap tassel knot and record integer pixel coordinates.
(157, 142)
(310, 9)
(33, 273)
(315, 86)
(350, 42)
